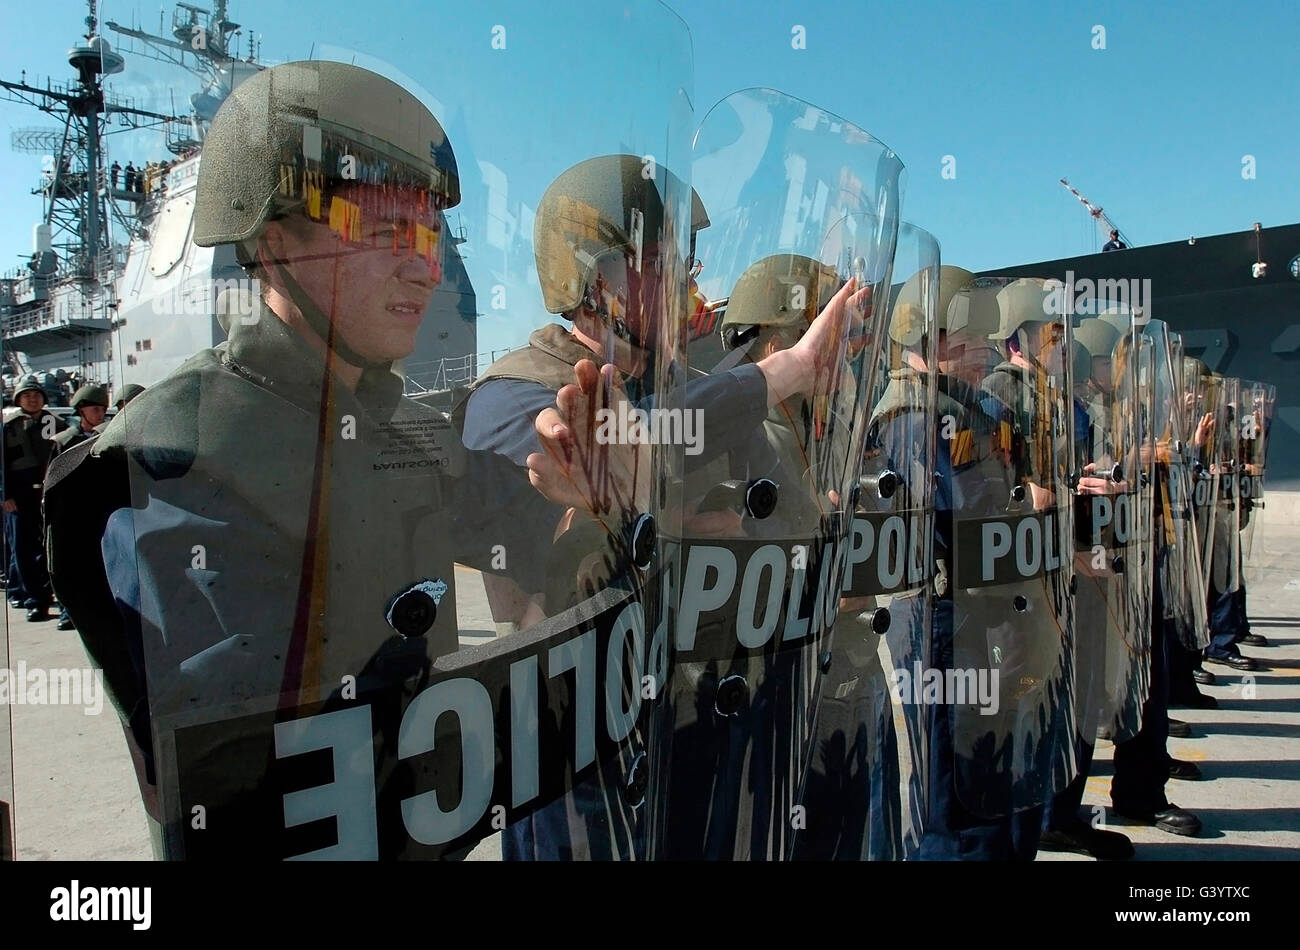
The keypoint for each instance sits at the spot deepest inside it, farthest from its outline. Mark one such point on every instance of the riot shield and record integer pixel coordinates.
(1177, 567)
(1151, 611)
(1258, 401)
(867, 780)
(1223, 546)
(1110, 652)
(379, 625)
(795, 263)
(1202, 407)
(1006, 674)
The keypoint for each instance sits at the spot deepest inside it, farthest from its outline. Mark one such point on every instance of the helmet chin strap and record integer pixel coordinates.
(378, 388)
(321, 324)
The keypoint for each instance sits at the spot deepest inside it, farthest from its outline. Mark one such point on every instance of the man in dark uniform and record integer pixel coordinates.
(1228, 625)
(28, 444)
(1005, 772)
(1142, 763)
(966, 420)
(1099, 609)
(588, 265)
(275, 516)
(89, 404)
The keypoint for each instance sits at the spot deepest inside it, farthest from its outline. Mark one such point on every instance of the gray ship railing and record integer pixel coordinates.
(449, 372)
(44, 317)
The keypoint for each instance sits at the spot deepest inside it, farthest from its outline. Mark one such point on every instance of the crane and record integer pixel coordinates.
(1104, 223)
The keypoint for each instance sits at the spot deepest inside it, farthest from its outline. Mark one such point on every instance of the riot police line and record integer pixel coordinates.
(694, 650)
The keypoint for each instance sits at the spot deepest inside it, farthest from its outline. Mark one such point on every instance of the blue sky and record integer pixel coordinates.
(1154, 127)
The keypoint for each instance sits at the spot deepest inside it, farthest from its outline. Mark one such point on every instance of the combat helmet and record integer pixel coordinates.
(307, 137)
(1098, 336)
(596, 224)
(779, 291)
(129, 392)
(91, 394)
(29, 383)
(1023, 304)
(1120, 316)
(907, 320)
(973, 312)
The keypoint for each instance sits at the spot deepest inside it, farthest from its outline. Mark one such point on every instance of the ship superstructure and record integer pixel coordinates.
(116, 290)
(60, 308)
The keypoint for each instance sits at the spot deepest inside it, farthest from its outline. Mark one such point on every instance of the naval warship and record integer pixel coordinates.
(115, 290)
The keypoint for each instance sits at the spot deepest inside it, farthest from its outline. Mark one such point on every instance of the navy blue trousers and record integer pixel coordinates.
(1062, 811)
(1227, 623)
(1142, 763)
(28, 575)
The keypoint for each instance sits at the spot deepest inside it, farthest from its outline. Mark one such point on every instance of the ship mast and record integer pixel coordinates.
(205, 43)
(201, 41)
(1103, 223)
(75, 188)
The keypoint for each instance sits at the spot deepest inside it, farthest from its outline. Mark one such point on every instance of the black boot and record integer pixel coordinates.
(1082, 838)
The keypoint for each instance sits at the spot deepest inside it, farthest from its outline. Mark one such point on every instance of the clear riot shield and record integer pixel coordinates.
(1201, 402)
(795, 263)
(1006, 674)
(867, 779)
(1258, 401)
(1110, 653)
(1143, 550)
(1177, 568)
(370, 629)
(1225, 540)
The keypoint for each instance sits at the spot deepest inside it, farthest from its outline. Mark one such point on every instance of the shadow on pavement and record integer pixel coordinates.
(1273, 730)
(1207, 849)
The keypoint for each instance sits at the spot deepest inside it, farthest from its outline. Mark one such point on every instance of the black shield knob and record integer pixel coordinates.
(1020, 603)
(732, 695)
(1117, 472)
(877, 619)
(1117, 564)
(412, 612)
(760, 497)
(638, 780)
(644, 541)
(1018, 493)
